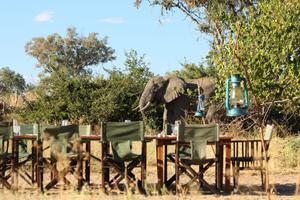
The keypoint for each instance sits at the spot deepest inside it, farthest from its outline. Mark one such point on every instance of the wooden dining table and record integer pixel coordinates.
(161, 151)
(162, 143)
(87, 139)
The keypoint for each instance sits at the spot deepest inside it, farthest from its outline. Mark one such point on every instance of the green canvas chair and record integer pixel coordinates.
(120, 135)
(6, 157)
(64, 147)
(26, 155)
(85, 130)
(191, 145)
(248, 155)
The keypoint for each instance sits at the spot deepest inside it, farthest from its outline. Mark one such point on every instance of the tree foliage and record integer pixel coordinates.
(89, 99)
(118, 95)
(65, 88)
(194, 71)
(264, 46)
(11, 81)
(12, 85)
(72, 54)
(259, 39)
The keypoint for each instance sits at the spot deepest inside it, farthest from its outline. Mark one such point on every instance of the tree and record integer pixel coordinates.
(258, 39)
(194, 71)
(72, 54)
(66, 85)
(264, 47)
(117, 96)
(11, 81)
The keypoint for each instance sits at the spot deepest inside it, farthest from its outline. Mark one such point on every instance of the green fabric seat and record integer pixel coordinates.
(196, 136)
(6, 157)
(85, 130)
(26, 129)
(120, 135)
(62, 139)
(5, 136)
(64, 144)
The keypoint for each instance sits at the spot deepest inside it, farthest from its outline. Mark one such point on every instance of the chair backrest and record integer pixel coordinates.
(198, 132)
(29, 129)
(85, 130)
(61, 137)
(268, 132)
(121, 134)
(5, 134)
(122, 131)
(6, 130)
(198, 135)
(26, 129)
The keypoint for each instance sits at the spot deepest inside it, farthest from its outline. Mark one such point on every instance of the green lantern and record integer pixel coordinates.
(236, 96)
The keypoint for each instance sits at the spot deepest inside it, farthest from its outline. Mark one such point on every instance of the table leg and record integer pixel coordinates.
(219, 166)
(165, 153)
(15, 175)
(39, 168)
(33, 161)
(88, 162)
(160, 164)
(227, 165)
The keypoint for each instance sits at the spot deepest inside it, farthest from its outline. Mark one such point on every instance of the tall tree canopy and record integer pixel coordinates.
(66, 85)
(11, 81)
(72, 54)
(259, 39)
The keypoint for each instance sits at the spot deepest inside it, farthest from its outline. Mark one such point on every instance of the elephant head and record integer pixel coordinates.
(170, 91)
(161, 90)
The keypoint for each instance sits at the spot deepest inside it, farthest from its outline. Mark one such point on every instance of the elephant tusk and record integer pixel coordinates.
(136, 108)
(146, 106)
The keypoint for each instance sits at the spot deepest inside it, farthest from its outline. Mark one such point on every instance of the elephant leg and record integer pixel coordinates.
(165, 117)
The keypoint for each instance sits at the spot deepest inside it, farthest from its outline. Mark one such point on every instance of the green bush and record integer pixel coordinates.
(290, 152)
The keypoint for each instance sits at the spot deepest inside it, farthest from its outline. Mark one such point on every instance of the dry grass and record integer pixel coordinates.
(283, 179)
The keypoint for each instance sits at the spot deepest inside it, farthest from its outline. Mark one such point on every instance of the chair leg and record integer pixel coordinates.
(5, 183)
(263, 179)
(201, 175)
(79, 174)
(105, 176)
(236, 174)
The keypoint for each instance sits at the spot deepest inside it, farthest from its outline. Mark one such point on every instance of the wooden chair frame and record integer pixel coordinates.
(183, 167)
(249, 155)
(6, 161)
(109, 163)
(74, 167)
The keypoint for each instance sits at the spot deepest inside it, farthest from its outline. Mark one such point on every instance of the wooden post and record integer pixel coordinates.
(88, 162)
(159, 164)
(227, 163)
(144, 163)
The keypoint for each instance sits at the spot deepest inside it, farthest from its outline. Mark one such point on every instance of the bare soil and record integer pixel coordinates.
(283, 186)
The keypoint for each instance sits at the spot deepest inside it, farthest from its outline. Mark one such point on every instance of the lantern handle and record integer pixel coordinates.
(245, 92)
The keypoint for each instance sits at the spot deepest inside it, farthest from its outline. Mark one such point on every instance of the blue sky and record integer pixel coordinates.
(165, 40)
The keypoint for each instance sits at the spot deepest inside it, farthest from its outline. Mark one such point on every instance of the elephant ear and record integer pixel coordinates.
(174, 89)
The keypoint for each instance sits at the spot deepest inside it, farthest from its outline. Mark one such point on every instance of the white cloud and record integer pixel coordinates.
(112, 20)
(165, 21)
(45, 16)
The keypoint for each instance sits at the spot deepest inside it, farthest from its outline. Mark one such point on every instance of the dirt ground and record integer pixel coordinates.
(283, 186)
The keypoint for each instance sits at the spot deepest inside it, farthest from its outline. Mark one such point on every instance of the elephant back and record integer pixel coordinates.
(206, 83)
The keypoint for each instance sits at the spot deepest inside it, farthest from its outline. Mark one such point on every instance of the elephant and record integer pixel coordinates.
(172, 92)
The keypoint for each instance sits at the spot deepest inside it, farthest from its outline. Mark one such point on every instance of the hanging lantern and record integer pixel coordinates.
(200, 107)
(237, 99)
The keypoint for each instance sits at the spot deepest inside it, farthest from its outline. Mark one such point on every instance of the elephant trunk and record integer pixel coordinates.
(144, 102)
